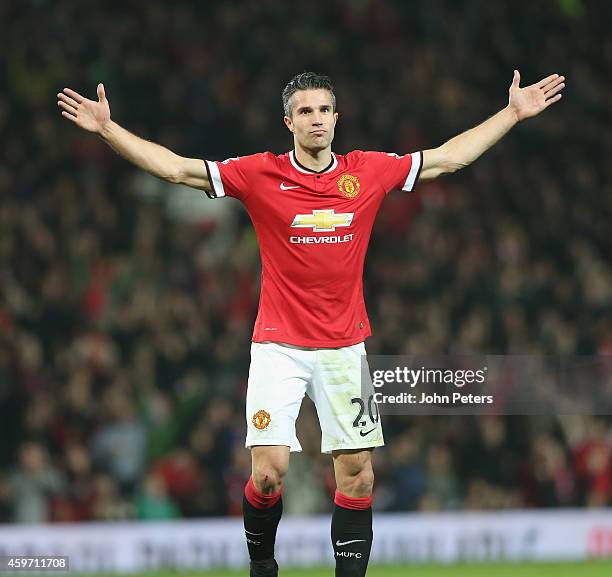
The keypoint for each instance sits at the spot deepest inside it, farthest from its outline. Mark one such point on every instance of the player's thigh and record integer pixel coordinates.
(347, 411)
(278, 377)
(349, 463)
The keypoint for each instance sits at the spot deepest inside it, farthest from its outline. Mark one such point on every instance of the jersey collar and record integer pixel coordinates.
(301, 168)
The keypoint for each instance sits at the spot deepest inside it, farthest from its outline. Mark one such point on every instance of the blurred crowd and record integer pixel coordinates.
(126, 304)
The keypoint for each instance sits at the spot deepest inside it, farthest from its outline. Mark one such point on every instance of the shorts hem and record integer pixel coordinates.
(273, 443)
(329, 450)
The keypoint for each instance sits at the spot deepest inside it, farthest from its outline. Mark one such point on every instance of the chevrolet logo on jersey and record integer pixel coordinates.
(322, 220)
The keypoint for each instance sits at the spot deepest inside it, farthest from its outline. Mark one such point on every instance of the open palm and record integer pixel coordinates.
(88, 114)
(531, 100)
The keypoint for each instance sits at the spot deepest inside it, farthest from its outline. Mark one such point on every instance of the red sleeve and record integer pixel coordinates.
(394, 171)
(234, 176)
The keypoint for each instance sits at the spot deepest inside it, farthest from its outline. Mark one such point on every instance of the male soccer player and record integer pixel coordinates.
(313, 211)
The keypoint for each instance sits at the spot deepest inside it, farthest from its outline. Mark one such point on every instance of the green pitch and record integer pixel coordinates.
(588, 569)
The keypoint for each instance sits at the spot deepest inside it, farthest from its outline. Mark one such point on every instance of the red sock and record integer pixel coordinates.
(257, 498)
(355, 503)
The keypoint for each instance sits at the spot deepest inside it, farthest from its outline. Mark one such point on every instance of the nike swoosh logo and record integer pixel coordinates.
(283, 186)
(367, 432)
(342, 543)
(252, 533)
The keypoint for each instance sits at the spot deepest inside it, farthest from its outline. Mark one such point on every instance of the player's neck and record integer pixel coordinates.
(316, 160)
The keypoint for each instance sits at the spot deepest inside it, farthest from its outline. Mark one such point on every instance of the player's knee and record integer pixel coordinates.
(363, 483)
(268, 478)
(359, 483)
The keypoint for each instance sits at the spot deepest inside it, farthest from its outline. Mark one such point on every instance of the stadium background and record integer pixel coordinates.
(126, 304)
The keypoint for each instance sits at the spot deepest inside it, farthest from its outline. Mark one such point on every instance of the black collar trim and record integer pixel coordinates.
(297, 164)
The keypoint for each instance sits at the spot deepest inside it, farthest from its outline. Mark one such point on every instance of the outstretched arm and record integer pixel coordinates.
(159, 161)
(464, 149)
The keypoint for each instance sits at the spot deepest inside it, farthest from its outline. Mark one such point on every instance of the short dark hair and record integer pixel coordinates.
(307, 81)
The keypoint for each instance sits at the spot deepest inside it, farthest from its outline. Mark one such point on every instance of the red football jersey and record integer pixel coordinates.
(313, 230)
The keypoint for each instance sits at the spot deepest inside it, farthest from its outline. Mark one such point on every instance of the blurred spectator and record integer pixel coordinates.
(119, 446)
(75, 503)
(593, 464)
(489, 455)
(107, 503)
(407, 472)
(304, 492)
(153, 501)
(441, 480)
(32, 484)
(549, 480)
(181, 476)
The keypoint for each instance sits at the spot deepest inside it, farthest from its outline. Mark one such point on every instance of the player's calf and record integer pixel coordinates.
(263, 507)
(351, 529)
(351, 533)
(262, 514)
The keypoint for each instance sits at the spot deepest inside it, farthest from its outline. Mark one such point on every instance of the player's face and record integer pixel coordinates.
(312, 119)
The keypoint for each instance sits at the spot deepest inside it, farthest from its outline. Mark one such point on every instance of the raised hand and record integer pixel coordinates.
(531, 100)
(88, 114)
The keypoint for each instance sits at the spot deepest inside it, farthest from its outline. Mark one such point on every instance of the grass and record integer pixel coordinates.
(584, 569)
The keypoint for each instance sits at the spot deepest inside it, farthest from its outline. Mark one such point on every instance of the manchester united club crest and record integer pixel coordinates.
(261, 419)
(349, 185)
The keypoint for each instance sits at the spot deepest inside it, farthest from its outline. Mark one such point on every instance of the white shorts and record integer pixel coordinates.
(280, 376)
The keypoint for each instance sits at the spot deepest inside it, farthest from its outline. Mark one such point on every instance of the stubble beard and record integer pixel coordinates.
(318, 144)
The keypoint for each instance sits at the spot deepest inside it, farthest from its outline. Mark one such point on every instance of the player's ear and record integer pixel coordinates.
(288, 123)
(335, 118)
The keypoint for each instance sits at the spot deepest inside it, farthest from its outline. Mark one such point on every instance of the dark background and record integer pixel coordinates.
(126, 304)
